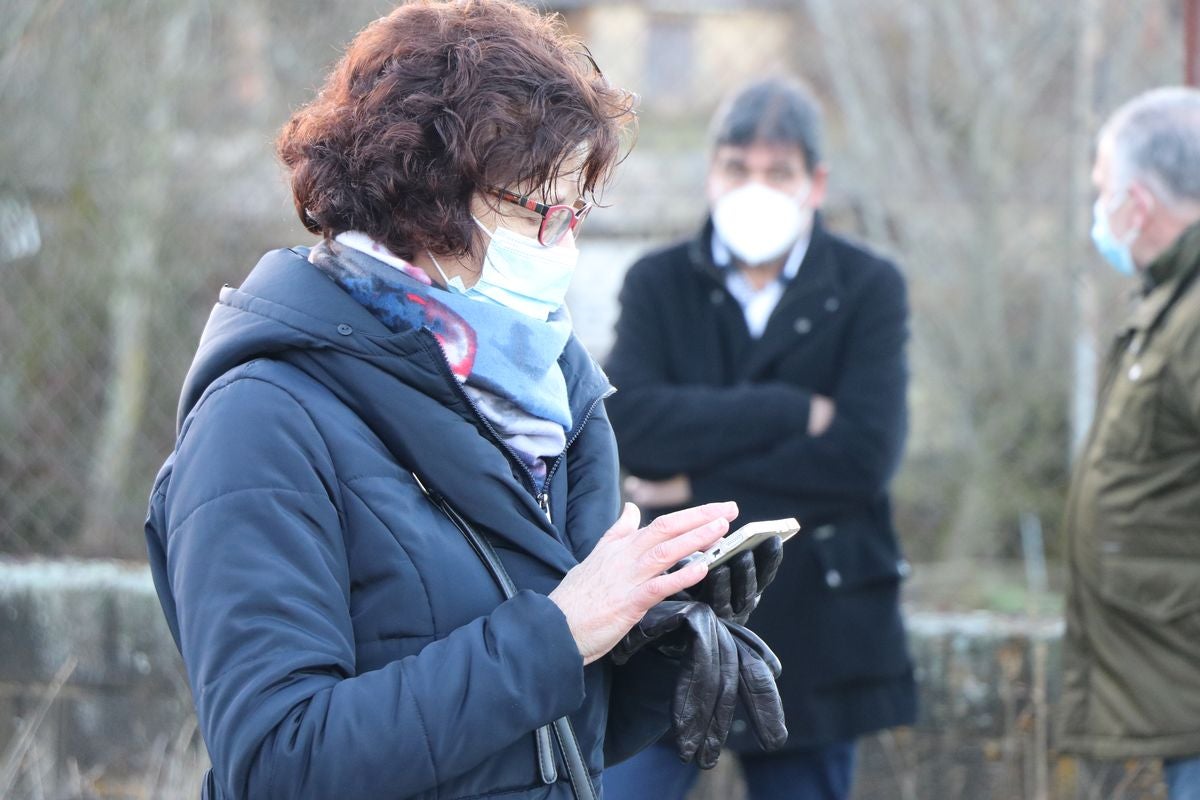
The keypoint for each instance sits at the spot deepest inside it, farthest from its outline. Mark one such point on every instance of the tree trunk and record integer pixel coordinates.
(140, 230)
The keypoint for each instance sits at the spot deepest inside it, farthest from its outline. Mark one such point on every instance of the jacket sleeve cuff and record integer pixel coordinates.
(546, 658)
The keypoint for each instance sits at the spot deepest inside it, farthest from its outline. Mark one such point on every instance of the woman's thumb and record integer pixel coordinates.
(628, 522)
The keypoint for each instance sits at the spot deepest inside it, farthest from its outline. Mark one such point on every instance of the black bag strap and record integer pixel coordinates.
(208, 788)
(568, 744)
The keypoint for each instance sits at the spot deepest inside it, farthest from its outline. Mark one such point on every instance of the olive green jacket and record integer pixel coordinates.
(1131, 655)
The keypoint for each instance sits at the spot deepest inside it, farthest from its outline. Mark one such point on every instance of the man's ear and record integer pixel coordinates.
(1145, 204)
(820, 184)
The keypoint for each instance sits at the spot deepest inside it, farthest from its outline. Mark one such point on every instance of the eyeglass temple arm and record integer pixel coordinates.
(525, 201)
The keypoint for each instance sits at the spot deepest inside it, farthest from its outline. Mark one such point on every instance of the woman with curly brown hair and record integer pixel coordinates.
(389, 542)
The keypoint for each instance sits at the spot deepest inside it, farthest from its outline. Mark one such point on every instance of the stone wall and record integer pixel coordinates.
(93, 703)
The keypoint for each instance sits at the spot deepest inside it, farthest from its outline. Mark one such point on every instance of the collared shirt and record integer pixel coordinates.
(757, 304)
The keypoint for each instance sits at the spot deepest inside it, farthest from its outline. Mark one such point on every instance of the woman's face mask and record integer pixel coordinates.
(520, 273)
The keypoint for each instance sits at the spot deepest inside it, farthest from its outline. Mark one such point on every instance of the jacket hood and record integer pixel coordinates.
(288, 306)
(284, 305)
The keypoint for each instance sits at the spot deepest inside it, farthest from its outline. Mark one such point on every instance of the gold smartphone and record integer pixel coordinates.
(747, 537)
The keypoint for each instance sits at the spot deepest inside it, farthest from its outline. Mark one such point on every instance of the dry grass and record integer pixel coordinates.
(30, 771)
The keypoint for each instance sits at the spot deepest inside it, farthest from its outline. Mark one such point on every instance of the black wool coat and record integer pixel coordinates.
(699, 396)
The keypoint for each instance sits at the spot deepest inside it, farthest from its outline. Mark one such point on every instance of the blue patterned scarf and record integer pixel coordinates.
(506, 361)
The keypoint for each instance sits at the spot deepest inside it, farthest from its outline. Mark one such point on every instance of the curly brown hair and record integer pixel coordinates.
(439, 100)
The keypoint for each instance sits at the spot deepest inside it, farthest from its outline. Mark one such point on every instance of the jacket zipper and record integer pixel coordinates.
(542, 494)
(543, 501)
(545, 494)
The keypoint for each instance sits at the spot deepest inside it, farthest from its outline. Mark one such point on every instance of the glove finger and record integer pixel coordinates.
(760, 698)
(660, 620)
(752, 640)
(629, 645)
(743, 587)
(682, 706)
(696, 690)
(767, 558)
(717, 590)
(726, 701)
(663, 618)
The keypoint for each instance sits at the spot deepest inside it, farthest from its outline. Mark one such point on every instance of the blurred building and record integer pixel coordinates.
(137, 176)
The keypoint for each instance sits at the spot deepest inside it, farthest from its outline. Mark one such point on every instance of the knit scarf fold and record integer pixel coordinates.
(506, 361)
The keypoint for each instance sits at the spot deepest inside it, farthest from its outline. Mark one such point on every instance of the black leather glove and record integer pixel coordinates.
(758, 668)
(733, 588)
(720, 662)
(706, 690)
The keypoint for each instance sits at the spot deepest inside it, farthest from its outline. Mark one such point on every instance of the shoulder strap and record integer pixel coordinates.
(568, 745)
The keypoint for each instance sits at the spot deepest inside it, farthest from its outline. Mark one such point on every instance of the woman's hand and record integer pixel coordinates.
(608, 592)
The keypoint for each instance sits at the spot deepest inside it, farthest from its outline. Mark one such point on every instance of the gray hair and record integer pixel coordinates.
(1156, 140)
(776, 110)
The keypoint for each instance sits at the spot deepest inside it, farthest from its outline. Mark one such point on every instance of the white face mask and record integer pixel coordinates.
(519, 273)
(759, 224)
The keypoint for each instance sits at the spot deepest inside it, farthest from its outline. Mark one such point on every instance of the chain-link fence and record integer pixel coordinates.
(136, 176)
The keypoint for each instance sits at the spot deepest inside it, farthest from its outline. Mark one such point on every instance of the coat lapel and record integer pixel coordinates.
(809, 299)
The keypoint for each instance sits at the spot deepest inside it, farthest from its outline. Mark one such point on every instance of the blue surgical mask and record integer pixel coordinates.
(1115, 251)
(520, 273)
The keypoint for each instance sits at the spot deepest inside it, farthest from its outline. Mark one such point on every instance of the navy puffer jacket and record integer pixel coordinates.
(340, 636)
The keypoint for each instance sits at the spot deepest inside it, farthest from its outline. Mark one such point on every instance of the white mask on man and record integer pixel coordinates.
(759, 224)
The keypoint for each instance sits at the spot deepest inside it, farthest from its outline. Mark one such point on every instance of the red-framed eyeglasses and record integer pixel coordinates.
(557, 219)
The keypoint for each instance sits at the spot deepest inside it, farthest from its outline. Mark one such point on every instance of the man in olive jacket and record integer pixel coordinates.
(763, 361)
(1132, 650)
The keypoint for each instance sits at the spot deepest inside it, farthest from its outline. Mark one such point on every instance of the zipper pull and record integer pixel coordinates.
(543, 501)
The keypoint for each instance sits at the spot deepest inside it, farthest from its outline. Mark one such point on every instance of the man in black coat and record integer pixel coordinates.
(764, 362)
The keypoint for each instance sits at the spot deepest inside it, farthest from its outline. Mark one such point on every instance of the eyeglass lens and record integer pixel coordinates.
(558, 222)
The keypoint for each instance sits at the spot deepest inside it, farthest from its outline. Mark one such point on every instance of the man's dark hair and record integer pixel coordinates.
(776, 110)
(439, 100)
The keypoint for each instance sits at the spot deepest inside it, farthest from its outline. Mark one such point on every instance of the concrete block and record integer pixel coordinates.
(123, 726)
(102, 614)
